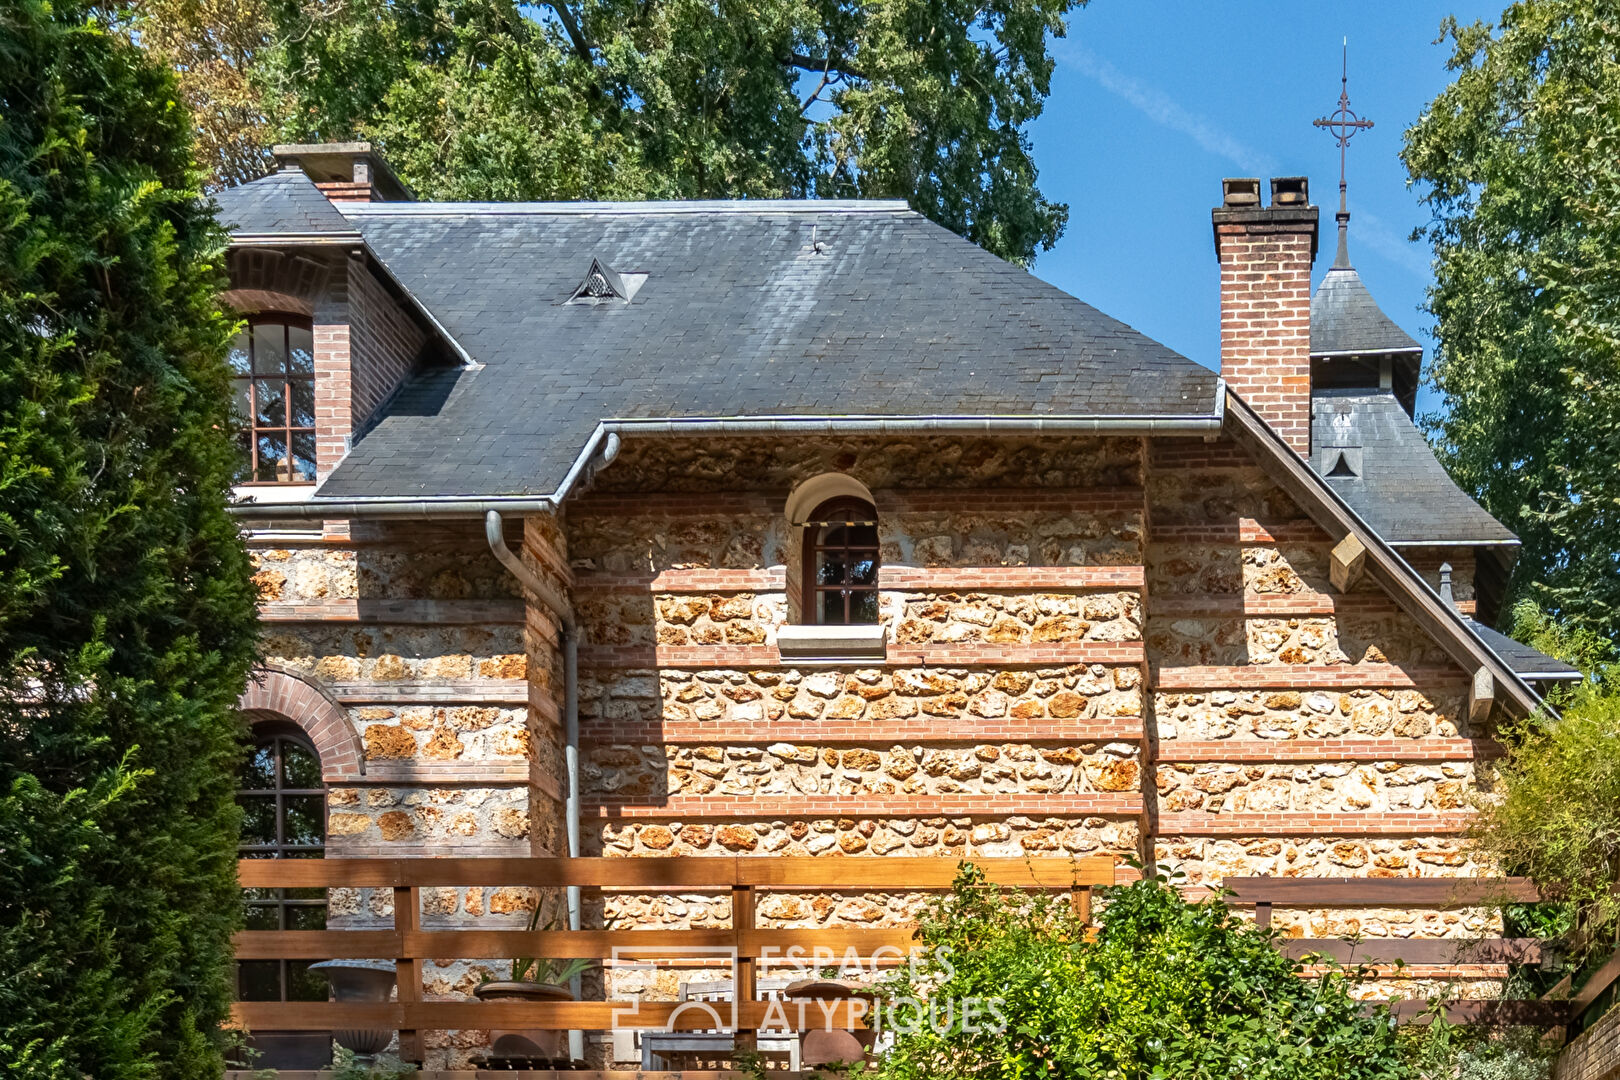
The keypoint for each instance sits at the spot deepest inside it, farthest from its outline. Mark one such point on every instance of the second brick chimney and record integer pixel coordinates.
(1266, 254)
(345, 172)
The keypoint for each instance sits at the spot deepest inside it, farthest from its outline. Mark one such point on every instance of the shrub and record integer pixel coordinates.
(1168, 988)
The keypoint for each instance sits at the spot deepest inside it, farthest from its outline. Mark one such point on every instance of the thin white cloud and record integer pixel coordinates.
(1369, 230)
(1164, 110)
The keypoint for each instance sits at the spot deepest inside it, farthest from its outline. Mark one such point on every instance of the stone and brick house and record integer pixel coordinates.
(811, 528)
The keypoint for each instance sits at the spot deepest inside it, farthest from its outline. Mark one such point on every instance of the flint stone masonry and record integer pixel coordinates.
(1350, 787)
(787, 769)
(401, 818)
(1206, 861)
(1310, 714)
(772, 464)
(951, 837)
(1049, 654)
(1460, 924)
(872, 696)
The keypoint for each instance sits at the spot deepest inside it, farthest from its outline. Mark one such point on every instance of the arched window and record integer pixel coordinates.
(841, 562)
(283, 817)
(273, 360)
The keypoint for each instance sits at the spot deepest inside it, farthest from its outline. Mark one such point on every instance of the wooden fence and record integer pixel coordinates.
(408, 943)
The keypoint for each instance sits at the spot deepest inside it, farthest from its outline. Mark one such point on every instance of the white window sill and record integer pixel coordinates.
(273, 494)
(812, 644)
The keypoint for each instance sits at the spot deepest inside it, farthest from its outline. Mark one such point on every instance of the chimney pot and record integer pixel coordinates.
(1290, 191)
(1240, 191)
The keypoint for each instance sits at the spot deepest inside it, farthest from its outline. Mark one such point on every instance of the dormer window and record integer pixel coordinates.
(841, 562)
(605, 285)
(273, 360)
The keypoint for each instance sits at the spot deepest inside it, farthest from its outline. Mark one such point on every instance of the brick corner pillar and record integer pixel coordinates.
(1266, 254)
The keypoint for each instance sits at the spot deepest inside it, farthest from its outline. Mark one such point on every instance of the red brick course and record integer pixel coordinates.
(753, 807)
(1268, 605)
(695, 657)
(1261, 751)
(1312, 824)
(1302, 677)
(910, 729)
(1594, 1054)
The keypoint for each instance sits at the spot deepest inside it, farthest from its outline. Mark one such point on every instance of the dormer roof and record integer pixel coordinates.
(285, 207)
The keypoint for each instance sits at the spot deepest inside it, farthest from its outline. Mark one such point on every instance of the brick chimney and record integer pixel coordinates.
(1265, 254)
(346, 172)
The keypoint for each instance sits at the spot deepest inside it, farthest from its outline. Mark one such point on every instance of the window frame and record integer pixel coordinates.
(812, 547)
(287, 377)
(276, 734)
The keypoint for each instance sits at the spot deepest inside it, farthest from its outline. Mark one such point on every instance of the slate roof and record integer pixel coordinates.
(1531, 665)
(747, 309)
(285, 203)
(1400, 489)
(1345, 319)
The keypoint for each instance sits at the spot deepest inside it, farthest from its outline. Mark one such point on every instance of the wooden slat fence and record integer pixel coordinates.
(408, 943)
(1265, 894)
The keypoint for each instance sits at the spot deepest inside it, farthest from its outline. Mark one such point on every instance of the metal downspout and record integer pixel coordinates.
(494, 532)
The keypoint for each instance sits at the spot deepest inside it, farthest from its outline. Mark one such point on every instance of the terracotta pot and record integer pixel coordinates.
(360, 980)
(525, 1042)
(827, 1046)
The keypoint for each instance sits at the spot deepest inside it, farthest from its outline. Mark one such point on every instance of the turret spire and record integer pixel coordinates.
(1344, 125)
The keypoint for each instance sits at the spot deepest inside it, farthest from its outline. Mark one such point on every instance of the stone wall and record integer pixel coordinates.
(1086, 653)
(1295, 731)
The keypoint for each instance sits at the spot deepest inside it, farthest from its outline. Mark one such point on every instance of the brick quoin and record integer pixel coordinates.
(282, 695)
(1265, 257)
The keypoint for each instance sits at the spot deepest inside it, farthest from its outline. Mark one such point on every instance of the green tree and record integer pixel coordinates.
(1557, 817)
(1168, 988)
(1519, 162)
(924, 100)
(126, 610)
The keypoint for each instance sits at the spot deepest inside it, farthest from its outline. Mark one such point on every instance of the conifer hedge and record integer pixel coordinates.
(126, 611)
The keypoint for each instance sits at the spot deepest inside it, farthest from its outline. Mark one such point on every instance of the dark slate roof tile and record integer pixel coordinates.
(284, 203)
(1527, 662)
(1345, 319)
(1400, 489)
(740, 315)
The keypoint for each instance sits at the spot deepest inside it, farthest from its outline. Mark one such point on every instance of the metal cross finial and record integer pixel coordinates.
(1344, 124)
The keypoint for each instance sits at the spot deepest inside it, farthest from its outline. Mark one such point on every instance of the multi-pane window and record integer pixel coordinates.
(273, 359)
(841, 562)
(283, 817)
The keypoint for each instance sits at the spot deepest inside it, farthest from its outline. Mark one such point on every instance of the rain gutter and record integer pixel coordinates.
(436, 506)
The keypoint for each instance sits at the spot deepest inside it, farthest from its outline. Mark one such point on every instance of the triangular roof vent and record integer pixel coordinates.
(1342, 468)
(604, 285)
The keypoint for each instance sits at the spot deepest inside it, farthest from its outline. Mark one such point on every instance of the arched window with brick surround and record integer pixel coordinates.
(283, 802)
(840, 555)
(273, 364)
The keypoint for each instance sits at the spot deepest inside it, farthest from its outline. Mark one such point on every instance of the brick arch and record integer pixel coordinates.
(258, 275)
(283, 695)
(254, 301)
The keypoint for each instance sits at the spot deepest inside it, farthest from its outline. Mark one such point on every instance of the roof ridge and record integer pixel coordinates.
(670, 206)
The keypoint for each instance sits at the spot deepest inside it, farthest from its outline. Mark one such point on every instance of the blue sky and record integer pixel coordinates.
(1154, 101)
